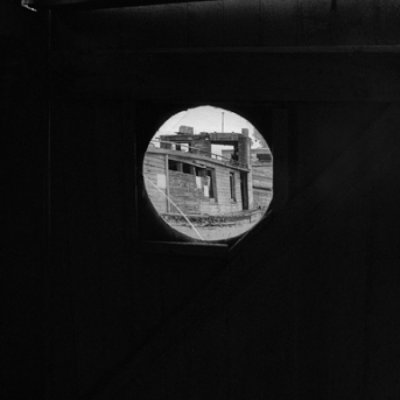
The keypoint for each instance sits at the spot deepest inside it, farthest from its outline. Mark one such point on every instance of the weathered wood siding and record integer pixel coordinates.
(184, 192)
(225, 204)
(262, 184)
(261, 198)
(262, 175)
(153, 165)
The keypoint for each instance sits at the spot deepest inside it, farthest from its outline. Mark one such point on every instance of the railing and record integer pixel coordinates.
(214, 156)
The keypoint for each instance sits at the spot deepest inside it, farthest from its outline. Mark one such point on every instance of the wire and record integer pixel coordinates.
(179, 210)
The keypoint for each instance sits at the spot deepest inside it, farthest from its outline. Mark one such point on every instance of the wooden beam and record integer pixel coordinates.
(96, 4)
(167, 181)
(263, 77)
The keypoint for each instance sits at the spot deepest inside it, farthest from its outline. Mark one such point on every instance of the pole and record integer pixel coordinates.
(167, 181)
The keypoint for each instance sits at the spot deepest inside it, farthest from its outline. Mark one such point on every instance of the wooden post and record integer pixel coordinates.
(167, 182)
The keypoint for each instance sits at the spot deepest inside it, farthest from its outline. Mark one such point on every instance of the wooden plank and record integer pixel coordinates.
(241, 22)
(204, 23)
(153, 163)
(93, 4)
(263, 77)
(231, 23)
(167, 181)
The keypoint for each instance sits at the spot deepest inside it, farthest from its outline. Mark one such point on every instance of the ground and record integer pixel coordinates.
(216, 232)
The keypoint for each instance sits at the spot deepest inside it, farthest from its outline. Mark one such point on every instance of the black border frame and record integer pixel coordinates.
(272, 119)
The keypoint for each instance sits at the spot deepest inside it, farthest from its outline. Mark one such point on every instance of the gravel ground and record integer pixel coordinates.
(215, 232)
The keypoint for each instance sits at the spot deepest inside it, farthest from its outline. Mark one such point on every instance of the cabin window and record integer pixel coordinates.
(264, 157)
(208, 173)
(232, 186)
(186, 168)
(199, 171)
(173, 165)
(211, 182)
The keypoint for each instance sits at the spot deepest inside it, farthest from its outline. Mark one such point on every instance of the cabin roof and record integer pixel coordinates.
(198, 160)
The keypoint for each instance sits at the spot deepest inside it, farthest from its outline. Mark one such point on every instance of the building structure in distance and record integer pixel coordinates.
(185, 179)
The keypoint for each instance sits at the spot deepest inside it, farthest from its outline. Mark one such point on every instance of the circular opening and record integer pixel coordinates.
(208, 173)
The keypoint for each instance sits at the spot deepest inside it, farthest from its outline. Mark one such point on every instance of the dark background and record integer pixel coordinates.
(305, 307)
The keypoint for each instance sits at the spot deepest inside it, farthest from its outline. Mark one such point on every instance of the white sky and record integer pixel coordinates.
(209, 119)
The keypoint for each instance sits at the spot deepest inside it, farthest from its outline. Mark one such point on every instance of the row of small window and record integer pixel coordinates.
(185, 168)
(210, 173)
(196, 171)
